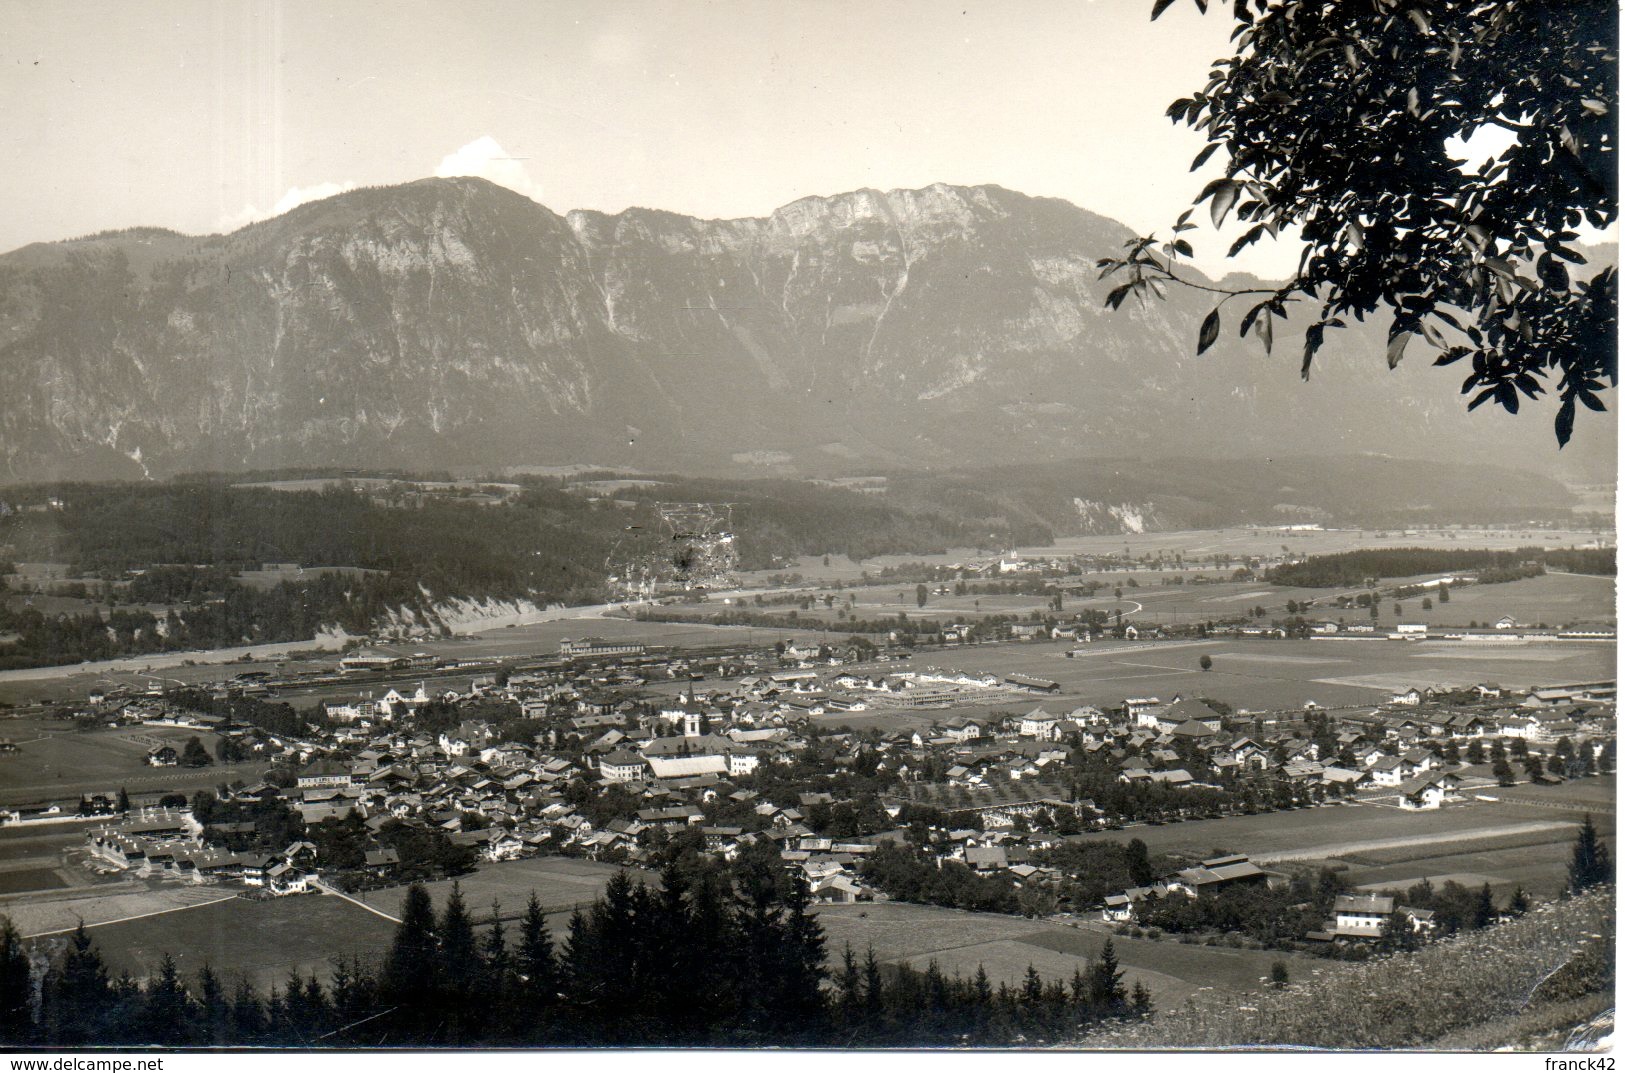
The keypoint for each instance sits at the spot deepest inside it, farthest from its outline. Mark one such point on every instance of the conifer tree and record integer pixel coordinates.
(16, 988)
(214, 1012)
(78, 995)
(410, 980)
(1106, 991)
(1483, 908)
(167, 1011)
(539, 983)
(247, 1014)
(1589, 865)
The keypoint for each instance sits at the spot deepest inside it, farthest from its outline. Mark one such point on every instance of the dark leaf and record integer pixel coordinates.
(1159, 7)
(1203, 156)
(1222, 200)
(1210, 331)
(1565, 421)
(1396, 348)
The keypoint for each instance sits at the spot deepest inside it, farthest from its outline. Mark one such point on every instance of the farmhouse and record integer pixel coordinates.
(1428, 791)
(1216, 874)
(1361, 915)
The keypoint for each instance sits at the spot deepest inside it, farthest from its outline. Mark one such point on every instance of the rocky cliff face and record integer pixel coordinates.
(450, 323)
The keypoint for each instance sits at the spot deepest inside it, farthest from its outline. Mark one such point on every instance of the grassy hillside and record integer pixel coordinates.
(1560, 953)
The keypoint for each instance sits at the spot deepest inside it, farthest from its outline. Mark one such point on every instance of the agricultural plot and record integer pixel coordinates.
(1554, 599)
(560, 883)
(1539, 868)
(960, 942)
(57, 764)
(1266, 674)
(54, 759)
(262, 940)
(1195, 544)
(1328, 831)
(98, 906)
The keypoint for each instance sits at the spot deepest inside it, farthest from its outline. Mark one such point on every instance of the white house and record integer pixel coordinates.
(1361, 914)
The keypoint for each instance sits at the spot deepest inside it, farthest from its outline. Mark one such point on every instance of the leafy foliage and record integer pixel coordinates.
(1339, 123)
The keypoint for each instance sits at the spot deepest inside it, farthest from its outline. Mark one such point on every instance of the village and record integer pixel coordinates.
(616, 752)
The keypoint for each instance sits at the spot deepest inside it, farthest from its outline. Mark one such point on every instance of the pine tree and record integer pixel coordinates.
(79, 997)
(167, 1012)
(534, 963)
(1518, 905)
(214, 1013)
(16, 988)
(1141, 1002)
(247, 1014)
(850, 985)
(1483, 908)
(1589, 865)
(410, 981)
(459, 962)
(801, 959)
(1106, 992)
(874, 997)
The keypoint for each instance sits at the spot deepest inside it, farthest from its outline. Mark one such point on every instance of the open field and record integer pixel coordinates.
(560, 883)
(1199, 543)
(263, 940)
(960, 941)
(1540, 869)
(1274, 673)
(537, 639)
(1301, 833)
(25, 880)
(56, 763)
(1553, 598)
(121, 900)
(1506, 845)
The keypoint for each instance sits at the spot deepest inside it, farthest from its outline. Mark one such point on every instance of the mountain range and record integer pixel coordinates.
(452, 324)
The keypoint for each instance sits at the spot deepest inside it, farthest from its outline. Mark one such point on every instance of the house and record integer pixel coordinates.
(622, 766)
(1039, 724)
(1120, 908)
(164, 756)
(1428, 790)
(1361, 915)
(1141, 711)
(987, 858)
(325, 774)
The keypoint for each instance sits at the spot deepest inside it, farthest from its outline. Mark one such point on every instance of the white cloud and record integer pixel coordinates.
(296, 196)
(485, 159)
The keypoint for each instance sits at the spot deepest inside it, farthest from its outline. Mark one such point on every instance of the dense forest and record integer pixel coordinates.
(1352, 569)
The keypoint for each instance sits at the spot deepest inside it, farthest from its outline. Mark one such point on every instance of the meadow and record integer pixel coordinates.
(57, 763)
(1274, 674)
(262, 940)
(960, 942)
(561, 884)
(1195, 544)
(1553, 956)
(1327, 831)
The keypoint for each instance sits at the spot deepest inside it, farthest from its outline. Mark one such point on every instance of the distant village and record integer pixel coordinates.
(583, 759)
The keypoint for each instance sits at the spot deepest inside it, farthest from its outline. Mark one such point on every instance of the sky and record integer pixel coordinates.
(204, 116)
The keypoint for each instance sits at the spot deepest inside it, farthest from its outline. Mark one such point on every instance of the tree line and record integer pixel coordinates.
(712, 954)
